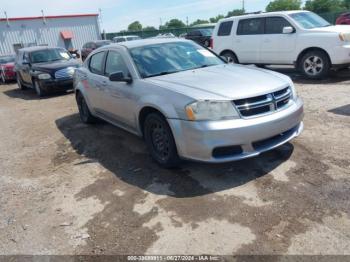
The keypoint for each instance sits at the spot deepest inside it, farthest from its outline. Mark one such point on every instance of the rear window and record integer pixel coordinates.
(225, 28)
(254, 26)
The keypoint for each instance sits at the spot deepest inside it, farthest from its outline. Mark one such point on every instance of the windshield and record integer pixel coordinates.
(100, 44)
(167, 58)
(49, 55)
(7, 59)
(207, 32)
(309, 20)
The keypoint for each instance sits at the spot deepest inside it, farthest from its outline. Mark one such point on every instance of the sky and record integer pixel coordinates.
(118, 14)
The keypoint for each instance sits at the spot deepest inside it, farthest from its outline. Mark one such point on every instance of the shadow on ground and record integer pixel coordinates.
(126, 156)
(30, 94)
(343, 110)
(335, 76)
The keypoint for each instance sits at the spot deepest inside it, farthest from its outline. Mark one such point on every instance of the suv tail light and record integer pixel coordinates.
(211, 43)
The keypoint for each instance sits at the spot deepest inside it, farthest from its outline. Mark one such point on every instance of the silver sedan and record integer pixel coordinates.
(186, 102)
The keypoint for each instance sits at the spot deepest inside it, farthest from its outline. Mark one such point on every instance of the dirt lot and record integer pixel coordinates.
(67, 188)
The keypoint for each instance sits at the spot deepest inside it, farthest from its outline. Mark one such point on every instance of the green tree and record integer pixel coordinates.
(199, 22)
(216, 18)
(346, 4)
(324, 6)
(135, 26)
(173, 23)
(283, 5)
(149, 28)
(236, 12)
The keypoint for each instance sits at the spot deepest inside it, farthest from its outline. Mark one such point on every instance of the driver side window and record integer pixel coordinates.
(115, 63)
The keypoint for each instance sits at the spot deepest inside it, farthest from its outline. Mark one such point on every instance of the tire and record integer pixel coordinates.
(315, 65)
(160, 141)
(39, 91)
(84, 111)
(207, 43)
(231, 57)
(19, 83)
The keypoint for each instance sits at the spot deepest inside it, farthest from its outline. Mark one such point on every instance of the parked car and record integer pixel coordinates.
(298, 38)
(200, 36)
(186, 102)
(46, 69)
(7, 68)
(344, 19)
(119, 39)
(91, 46)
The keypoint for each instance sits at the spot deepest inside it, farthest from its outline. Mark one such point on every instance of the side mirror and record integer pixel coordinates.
(74, 56)
(288, 30)
(119, 77)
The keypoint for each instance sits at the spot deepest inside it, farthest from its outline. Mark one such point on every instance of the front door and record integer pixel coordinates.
(119, 95)
(276, 47)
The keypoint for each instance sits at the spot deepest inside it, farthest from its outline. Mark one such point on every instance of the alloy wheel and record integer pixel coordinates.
(160, 140)
(313, 65)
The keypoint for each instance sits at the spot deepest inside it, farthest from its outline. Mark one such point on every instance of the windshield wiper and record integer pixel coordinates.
(163, 73)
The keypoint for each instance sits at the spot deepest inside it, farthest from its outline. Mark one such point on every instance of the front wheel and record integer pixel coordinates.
(315, 65)
(160, 141)
(19, 83)
(39, 91)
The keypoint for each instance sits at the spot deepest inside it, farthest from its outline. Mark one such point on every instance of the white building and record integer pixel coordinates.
(67, 31)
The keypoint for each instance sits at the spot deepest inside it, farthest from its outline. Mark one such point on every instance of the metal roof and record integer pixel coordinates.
(46, 17)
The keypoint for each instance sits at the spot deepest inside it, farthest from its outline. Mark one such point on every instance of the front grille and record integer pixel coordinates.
(260, 105)
(65, 73)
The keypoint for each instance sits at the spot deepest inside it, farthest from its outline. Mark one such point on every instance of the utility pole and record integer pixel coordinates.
(44, 19)
(7, 19)
(243, 4)
(101, 24)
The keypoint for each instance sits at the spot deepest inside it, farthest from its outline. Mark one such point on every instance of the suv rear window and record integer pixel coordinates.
(254, 26)
(225, 28)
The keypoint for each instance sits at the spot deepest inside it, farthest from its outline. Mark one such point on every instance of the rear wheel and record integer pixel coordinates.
(315, 65)
(160, 141)
(84, 111)
(231, 57)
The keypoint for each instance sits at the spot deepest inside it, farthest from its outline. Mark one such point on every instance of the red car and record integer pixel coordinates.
(344, 19)
(7, 68)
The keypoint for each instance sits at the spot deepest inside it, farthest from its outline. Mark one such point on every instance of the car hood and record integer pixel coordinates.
(54, 66)
(333, 29)
(223, 82)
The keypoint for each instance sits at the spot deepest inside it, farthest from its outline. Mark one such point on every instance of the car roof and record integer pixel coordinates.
(263, 14)
(145, 42)
(38, 48)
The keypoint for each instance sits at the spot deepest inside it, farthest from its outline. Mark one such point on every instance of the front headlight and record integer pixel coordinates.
(44, 76)
(211, 110)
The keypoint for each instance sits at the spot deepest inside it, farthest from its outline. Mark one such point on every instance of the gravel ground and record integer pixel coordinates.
(67, 188)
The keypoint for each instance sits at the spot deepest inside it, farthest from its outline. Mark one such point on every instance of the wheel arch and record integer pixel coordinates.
(302, 53)
(229, 51)
(144, 112)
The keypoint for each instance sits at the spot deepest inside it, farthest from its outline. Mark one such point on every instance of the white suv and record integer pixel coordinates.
(298, 38)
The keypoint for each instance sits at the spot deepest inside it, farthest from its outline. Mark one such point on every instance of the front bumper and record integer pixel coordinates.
(199, 140)
(56, 85)
(340, 55)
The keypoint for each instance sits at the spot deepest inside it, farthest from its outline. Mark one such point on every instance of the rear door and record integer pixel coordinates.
(248, 40)
(96, 81)
(276, 47)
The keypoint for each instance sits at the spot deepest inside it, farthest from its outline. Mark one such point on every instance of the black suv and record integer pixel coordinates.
(45, 69)
(200, 36)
